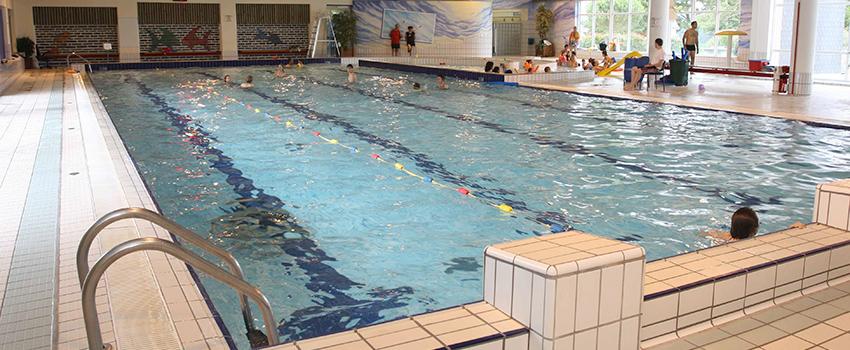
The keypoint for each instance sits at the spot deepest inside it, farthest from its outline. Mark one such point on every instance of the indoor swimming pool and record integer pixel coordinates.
(352, 204)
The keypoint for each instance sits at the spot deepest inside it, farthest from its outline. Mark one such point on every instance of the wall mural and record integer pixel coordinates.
(179, 31)
(62, 30)
(424, 24)
(463, 28)
(272, 30)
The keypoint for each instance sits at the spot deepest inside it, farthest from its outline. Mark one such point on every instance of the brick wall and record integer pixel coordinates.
(169, 42)
(272, 40)
(56, 41)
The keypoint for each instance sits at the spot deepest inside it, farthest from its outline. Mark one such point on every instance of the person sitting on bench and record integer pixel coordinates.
(656, 63)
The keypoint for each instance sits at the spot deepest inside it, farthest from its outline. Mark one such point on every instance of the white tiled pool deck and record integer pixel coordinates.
(63, 165)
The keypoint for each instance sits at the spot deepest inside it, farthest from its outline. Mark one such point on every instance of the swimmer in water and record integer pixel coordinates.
(299, 64)
(279, 72)
(417, 87)
(288, 63)
(352, 76)
(441, 83)
(249, 83)
(227, 79)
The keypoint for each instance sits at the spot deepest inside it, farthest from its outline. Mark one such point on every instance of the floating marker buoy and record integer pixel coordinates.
(375, 156)
(316, 133)
(427, 179)
(505, 208)
(556, 228)
(463, 191)
(333, 141)
(289, 124)
(399, 166)
(256, 110)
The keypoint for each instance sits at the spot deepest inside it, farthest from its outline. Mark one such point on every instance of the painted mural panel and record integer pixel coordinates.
(179, 31)
(272, 30)
(462, 28)
(423, 23)
(83, 30)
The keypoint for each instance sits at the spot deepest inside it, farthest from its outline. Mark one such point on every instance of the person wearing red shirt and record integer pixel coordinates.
(395, 40)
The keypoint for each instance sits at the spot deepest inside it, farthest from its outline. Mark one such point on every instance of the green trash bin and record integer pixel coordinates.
(679, 72)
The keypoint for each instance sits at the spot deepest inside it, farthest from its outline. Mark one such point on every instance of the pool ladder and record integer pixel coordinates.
(235, 278)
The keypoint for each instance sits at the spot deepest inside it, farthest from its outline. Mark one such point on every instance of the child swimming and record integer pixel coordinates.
(352, 76)
(249, 83)
(279, 72)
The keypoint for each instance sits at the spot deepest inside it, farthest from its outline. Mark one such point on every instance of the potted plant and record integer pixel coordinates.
(345, 30)
(26, 48)
(545, 19)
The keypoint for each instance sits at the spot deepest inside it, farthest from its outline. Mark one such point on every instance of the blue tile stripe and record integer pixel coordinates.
(27, 317)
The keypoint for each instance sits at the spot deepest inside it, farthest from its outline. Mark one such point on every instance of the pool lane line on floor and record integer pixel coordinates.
(547, 218)
(325, 281)
(563, 146)
(397, 165)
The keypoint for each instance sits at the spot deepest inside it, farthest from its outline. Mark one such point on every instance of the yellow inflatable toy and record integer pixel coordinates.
(619, 63)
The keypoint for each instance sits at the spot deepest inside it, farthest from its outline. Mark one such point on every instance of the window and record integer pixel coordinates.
(624, 22)
(712, 16)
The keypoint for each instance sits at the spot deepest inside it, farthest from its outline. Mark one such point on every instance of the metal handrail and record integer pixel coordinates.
(68, 61)
(171, 226)
(91, 320)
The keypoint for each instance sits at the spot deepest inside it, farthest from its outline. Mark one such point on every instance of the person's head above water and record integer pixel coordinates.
(227, 78)
(745, 223)
(350, 68)
(249, 79)
(416, 86)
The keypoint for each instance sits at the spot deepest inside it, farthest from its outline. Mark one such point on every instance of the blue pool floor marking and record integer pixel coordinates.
(548, 218)
(325, 281)
(744, 199)
(554, 221)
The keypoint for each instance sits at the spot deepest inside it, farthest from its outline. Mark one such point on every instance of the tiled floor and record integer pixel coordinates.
(62, 165)
(820, 320)
(828, 103)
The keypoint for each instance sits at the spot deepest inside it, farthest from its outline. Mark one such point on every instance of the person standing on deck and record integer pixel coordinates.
(572, 41)
(395, 39)
(410, 39)
(691, 41)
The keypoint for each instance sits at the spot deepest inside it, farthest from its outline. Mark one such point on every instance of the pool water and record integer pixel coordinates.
(298, 178)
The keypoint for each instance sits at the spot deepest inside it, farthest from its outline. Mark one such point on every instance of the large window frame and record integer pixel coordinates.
(592, 16)
(720, 13)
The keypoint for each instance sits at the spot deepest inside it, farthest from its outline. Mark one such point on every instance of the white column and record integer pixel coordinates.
(759, 30)
(803, 47)
(128, 31)
(229, 41)
(659, 22)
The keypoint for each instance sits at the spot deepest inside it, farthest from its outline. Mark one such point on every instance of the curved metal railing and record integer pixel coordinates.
(177, 230)
(68, 61)
(91, 320)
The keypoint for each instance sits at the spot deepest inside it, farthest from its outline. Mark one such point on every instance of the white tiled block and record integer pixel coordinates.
(586, 339)
(521, 304)
(660, 309)
(608, 336)
(696, 298)
(504, 286)
(789, 271)
(611, 294)
(761, 280)
(535, 341)
(632, 288)
(729, 289)
(587, 292)
(816, 264)
(549, 314)
(517, 342)
(565, 305)
(839, 206)
(629, 333)
(839, 257)
(809, 282)
(493, 345)
(822, 210)
(658, 329)
(538, 304)
(564, 343)
(690, 319)
(757, 298)
(489, 279)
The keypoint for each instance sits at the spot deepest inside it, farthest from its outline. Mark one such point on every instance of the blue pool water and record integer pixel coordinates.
(337, 239)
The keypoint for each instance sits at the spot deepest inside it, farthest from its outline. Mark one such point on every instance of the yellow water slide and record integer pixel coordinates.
(619, 63)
